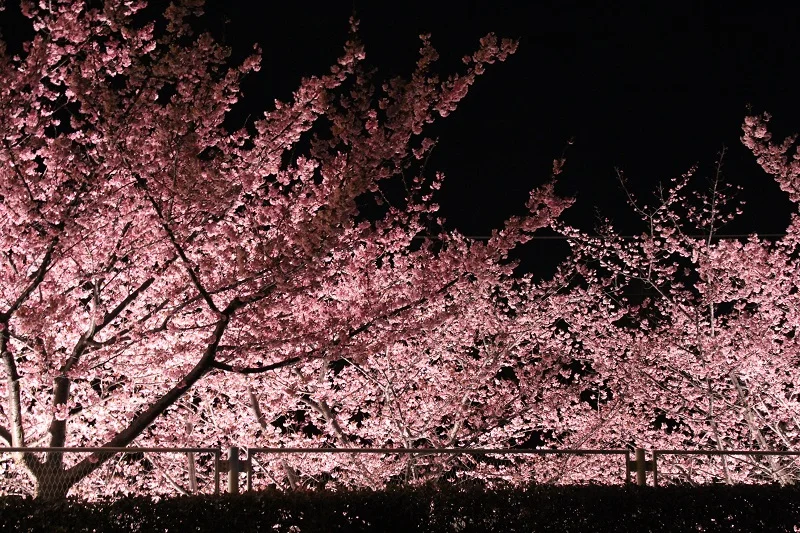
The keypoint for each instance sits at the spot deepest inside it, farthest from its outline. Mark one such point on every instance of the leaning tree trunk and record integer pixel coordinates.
(52, 483)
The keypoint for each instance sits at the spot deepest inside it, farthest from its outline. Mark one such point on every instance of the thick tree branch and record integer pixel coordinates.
(179, 249)
(391, 314)
(114, 313)
(255, 369)
(142, 421)
(16, 435)
(12, 386)
(35, 281)
(87, 339)
(58, 425)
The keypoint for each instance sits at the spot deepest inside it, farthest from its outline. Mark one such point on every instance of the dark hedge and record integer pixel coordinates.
(430, 508)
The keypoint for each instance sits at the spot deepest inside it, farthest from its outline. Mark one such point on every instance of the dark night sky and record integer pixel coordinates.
(650, 90)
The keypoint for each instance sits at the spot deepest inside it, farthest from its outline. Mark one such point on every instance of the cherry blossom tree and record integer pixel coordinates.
(158, 268)
(486, 376)
(695, 334)
(167, 280)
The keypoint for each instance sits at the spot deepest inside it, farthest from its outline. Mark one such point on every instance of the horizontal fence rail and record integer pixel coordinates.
(435, 451)
(214, 465)
(187, 458)
(423, 452)
(714, 453)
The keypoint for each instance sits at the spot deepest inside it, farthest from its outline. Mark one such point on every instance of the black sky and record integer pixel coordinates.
(651, 88)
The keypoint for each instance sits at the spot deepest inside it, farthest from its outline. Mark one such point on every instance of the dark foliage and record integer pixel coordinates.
(431, 509)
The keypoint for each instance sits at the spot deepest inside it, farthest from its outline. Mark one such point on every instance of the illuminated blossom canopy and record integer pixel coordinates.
(168, 281)
(157, 266)
(693, 334)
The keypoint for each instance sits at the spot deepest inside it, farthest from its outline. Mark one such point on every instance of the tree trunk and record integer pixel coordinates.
(52, 485)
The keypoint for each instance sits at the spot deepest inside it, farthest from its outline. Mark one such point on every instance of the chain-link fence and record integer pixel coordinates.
(697, 467)
(50, 472)
(288, 468)
(126, 471)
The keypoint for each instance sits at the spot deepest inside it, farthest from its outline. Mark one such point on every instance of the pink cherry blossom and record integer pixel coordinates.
(160, 270)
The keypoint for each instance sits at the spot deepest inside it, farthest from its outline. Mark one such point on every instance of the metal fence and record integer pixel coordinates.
(130, 470)
(763, 464)
(289, 467)
(175, 471)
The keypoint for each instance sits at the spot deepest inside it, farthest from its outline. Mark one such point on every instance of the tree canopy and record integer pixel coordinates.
(168, 280)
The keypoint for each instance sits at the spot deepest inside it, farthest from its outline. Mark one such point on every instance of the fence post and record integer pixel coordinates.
(249, 471)
(655, 469)
(641, 468)
(190, 462)
(217, 461)
(627, 467)
(233, 470)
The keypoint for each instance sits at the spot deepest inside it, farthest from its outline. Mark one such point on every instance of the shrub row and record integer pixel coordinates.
(430, 508)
